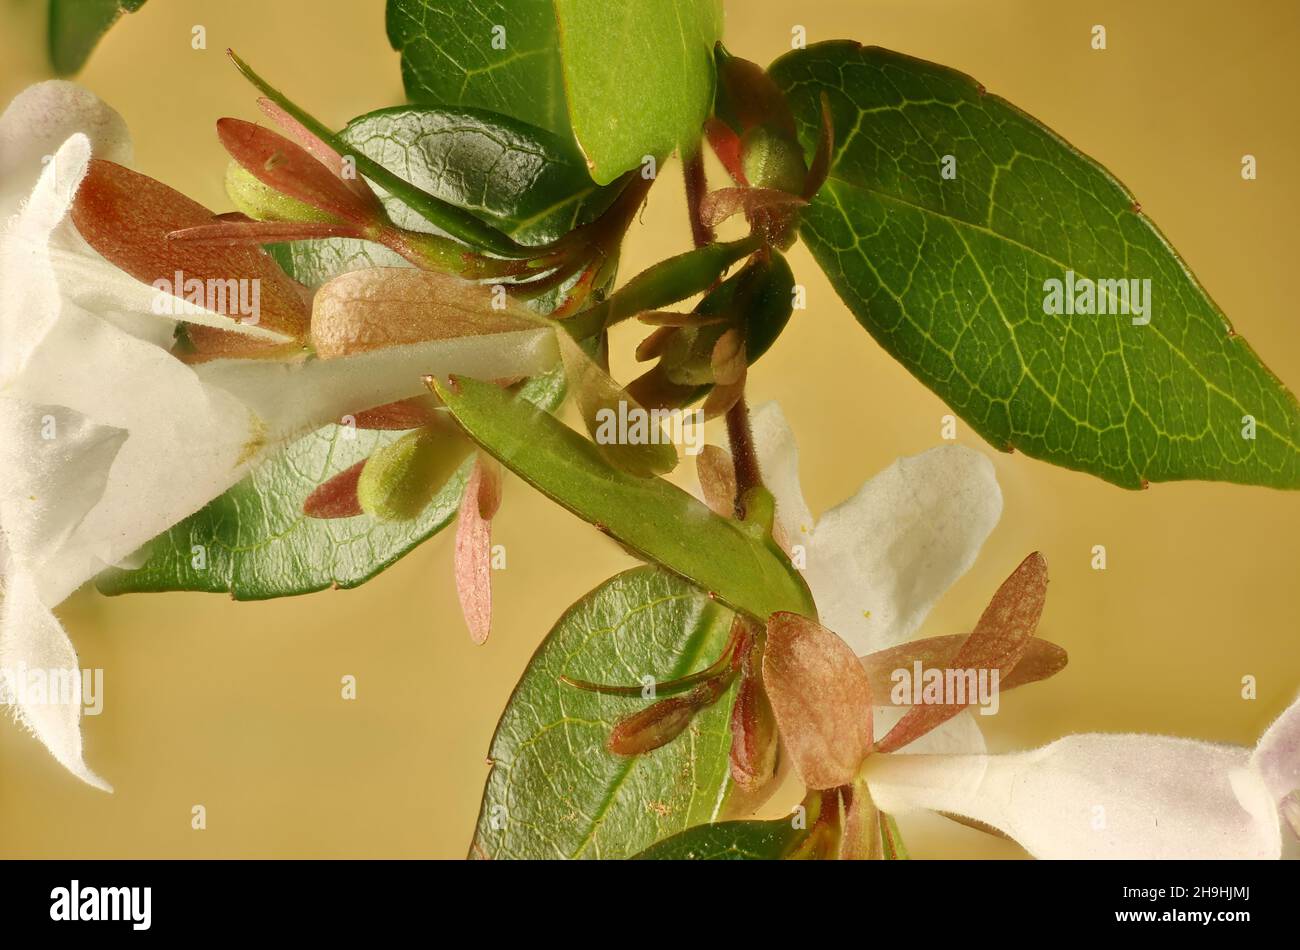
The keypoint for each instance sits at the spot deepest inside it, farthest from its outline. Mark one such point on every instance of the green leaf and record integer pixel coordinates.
(448, 57)
(255, 542)
(554, 790)
(728, 841)
(627, 79)
(639, 77)
(949, 276)
(652, 517)
(316, 262)
(77, 25)
(528, 182)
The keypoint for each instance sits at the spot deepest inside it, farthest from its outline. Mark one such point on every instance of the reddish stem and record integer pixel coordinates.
(743, 456)
(696, 187)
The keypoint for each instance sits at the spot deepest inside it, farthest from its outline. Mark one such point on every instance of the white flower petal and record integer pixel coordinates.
(43, 260)
(31, 640)
(778, 460)
(294, 398)
(186, 442)
(1097, 796)
(40, 119)
(1277, 756)
(92, 283)
(878, 562)
(55, 463)
(29, 292)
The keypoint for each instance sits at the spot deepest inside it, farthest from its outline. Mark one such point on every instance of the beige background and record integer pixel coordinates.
(236, 706)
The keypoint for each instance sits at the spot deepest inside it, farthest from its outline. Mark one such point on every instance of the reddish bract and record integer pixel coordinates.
(126, 217)
(997, 643)
(821, 697)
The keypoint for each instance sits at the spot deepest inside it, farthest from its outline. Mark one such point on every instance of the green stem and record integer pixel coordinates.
(665, 283)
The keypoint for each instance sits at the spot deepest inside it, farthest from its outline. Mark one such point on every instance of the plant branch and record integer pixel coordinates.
(696, 187)
(743, 455)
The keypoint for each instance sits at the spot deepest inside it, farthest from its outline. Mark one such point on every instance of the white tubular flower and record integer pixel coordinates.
(1112, 796)
(107, 438)
(879, 561)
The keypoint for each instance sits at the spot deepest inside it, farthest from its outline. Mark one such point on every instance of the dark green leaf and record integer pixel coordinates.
(77, 25)
(652, 517)
(555, 791)
(728, 841)
(628, 79)
(448, 57)
(949, 276)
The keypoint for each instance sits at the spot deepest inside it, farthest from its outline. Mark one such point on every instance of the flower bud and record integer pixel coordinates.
(773, 160)
(757, 299)
(263, 203)
(652, 727)
(747, 96)
(662, 722)
(753, 736)
(398, 482)
(337, 497)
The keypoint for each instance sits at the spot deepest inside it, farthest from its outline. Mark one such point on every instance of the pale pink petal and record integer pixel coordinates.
(1096, 796)
(1277, 756)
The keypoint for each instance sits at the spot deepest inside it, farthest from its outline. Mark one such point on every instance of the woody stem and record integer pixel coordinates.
(743, 456)
(696, 186)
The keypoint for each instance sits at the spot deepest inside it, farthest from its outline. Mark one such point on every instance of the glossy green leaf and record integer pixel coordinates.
(77, 25)
(529, 183)
(654, 518)
(949, 275)
(627, 79)
(729, 841)
(555, 791)
(449, 57)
